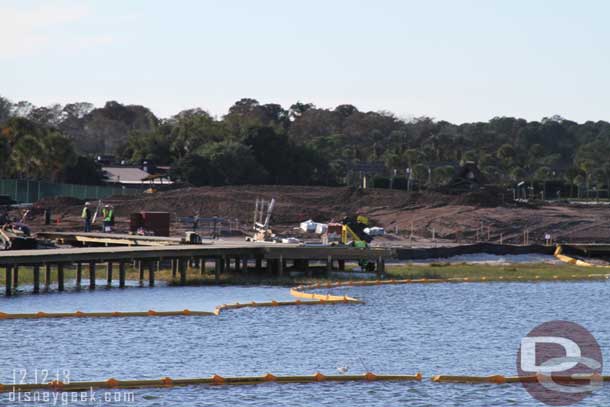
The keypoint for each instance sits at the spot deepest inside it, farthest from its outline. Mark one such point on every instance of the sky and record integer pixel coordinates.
(460, 60)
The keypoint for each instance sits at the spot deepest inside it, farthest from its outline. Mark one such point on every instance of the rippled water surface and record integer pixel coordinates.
(435, 328)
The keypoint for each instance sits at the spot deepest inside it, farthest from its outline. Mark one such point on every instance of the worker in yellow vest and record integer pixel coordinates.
(108, 216)
(86, 215)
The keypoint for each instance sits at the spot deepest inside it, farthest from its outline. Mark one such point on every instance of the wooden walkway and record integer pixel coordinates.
(272, 257)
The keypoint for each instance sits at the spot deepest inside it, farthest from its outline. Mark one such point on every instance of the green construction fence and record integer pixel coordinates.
(26, 191)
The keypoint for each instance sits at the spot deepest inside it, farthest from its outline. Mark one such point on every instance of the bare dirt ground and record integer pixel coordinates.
(450, 218)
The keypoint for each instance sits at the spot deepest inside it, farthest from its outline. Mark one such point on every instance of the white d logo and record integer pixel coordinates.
(528, 354)
(563, 359)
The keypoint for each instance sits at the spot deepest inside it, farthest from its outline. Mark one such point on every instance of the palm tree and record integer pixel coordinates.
(588, 166)
(26, 157)
(58, 154)
(570, 177)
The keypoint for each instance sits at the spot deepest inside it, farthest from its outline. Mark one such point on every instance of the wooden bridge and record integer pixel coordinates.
(272, 257)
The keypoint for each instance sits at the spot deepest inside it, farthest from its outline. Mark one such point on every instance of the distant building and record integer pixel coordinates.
(133, 176)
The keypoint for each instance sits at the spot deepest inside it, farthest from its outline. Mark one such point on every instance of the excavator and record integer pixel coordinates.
(353, 234)
(352, 231)
(16, 236)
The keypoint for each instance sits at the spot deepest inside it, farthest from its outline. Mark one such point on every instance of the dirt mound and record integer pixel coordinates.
(294, 203)
(487, 198)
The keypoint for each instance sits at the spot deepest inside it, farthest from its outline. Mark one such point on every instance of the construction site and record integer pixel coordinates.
(407, 218)
(276, 229)
(260, 204)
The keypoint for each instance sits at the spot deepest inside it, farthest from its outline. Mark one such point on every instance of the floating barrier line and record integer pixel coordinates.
(186, 312)
(298, 292)
(571, 260)
(79, 314)
(113, 383)
(217, 380)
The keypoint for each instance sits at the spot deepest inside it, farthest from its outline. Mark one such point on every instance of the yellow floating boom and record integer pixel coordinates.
(571, 260)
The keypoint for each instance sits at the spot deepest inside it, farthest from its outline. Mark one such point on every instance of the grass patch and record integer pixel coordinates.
(251, 277)
(26, 275)
(512, 272)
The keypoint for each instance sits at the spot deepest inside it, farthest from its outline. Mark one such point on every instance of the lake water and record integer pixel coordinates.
(468, 328)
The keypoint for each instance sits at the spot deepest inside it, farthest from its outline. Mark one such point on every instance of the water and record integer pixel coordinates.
(436, 329)
(134, 298)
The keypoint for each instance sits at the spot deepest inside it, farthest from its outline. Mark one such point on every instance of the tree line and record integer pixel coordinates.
(303, 144)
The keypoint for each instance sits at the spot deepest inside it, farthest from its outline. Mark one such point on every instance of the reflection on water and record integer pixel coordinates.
(436, 328)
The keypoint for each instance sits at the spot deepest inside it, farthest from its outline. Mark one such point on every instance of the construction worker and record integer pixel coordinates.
(86, 215)
(112, 215)
(107, 215)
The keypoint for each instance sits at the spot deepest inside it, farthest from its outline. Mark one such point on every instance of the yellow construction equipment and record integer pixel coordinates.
(352, 232)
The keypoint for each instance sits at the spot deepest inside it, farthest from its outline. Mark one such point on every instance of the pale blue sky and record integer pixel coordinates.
(452, 60)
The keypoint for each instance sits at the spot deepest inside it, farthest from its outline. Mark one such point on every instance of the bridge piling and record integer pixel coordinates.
(109, 274)
(47, 277)
(122, 274)
(217, 268)
(174, 268)
(182, 267)
(8, 285)
(60, 277)
(92, 275)
(380, 267)
(36, 275)
(79, 275)
(281, 265)
(151, 274)
(15, 278)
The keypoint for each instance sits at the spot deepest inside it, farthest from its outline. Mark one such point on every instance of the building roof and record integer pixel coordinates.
(131, 175)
